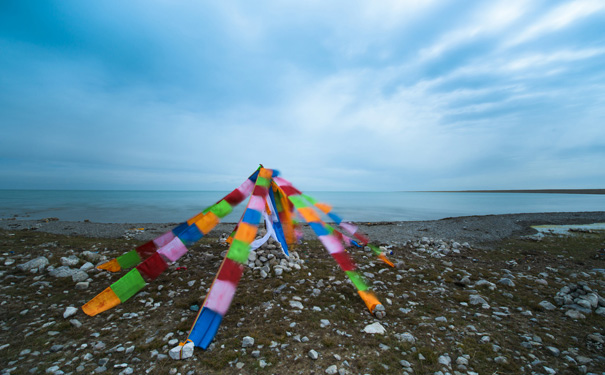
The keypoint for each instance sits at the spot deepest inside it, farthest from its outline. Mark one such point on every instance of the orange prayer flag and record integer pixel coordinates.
(325, 208)
(246, 232)
(309, 214)
(370, 299)
(207, 223)
(386, 260)
(111, 266)
(102, 302)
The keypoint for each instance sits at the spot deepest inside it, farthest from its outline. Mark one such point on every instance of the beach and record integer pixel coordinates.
(468, 295)
(477, 230)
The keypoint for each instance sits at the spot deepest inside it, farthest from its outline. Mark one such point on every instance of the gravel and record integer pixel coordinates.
(474, 229)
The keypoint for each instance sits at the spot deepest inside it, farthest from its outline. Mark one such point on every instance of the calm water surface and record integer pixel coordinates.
(111, 206)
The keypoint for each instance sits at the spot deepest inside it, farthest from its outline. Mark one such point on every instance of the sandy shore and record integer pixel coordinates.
(476, 230)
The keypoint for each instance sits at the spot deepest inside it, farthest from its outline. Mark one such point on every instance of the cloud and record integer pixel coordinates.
(558, 18)
(389, 95)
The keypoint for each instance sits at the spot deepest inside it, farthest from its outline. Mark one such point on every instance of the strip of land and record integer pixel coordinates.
(520, 305)
(538, 191)
(477, 230)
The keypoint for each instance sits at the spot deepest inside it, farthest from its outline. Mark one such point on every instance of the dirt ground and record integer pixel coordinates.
(426, 297)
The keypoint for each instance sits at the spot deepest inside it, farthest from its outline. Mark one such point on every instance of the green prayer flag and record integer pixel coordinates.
(357, 280)
(221, 209)
(128, 285)
(261, 181)
(375, 249)
(308, 198)
(298, 202)
(128, 260)
(239, 251)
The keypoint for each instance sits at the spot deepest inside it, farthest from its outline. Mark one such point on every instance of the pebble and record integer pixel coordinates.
(406, 337)
(69, 312)
(375, 328)
(574, 314)
(313, 354)
(553, 351)
(332, 370)
(501, 360)
(547, 305)
(475, 299)
(445, 360)
(247, 342)
(82, 285)
(38, 263)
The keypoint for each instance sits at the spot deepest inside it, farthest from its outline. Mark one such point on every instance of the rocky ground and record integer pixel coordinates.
(481, 295)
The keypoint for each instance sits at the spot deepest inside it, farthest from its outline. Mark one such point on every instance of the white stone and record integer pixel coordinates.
(296, 305)
(445, 360)
(79, 275)
(62, 271)
(501, 360)
(70, 311)
(462, 361)
(332, 370)
(247, 342)
(38, 263)
(313, 354)
(182, 352)
(407, 337)
(70, 261)
(379, 311)
(375, 328)
(475, 299)
(574, 314)
(547, 305)
(542, 282)
(87, 266)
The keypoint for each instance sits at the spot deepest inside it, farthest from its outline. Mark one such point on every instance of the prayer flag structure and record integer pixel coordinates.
(270, 197)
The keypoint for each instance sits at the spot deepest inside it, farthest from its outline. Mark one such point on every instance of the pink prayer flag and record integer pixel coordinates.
(281, 181)
(164, 239)
(173, 250)
(331, 243)
(349, 227)
(246, 187)
(257, 203)
(220, 296)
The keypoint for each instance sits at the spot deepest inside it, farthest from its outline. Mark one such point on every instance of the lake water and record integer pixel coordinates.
(111, 206)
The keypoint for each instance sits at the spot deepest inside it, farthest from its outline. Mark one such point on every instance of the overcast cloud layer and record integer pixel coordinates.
(339, 95)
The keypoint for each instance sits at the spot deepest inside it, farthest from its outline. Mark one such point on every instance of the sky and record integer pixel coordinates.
(336, 95)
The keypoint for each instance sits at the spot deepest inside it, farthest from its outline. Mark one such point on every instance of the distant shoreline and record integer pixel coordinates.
(537, 191)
